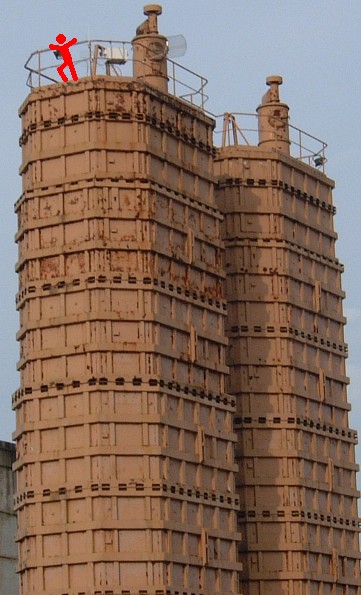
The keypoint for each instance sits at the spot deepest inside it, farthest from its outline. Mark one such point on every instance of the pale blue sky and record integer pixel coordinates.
(314, 45)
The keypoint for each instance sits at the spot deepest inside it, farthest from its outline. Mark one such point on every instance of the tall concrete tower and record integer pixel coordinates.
(295, 450)
(125, 470)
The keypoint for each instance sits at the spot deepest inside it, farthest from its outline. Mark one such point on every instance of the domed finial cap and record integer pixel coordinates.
(274, 80)
(152, 9)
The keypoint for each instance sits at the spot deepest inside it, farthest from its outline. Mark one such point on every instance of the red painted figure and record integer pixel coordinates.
(63, 49)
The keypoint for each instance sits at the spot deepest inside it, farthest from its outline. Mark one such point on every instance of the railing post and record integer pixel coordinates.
(39, 68)
(90, 58)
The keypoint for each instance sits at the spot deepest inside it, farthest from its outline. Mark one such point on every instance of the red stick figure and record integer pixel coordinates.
(63, 49)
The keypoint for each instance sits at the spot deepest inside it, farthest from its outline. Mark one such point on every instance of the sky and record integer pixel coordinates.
(235, 44)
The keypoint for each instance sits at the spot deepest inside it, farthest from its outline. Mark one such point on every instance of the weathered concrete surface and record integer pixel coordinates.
(8, 548)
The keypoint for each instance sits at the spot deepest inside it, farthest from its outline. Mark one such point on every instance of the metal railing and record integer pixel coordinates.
(241, 128)
(104, 57)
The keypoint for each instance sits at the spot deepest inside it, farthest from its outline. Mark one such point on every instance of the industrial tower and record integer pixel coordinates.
(125, 470)
(295, 450)
(151, 265)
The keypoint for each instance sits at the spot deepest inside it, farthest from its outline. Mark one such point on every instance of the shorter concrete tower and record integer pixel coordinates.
(296, 451)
